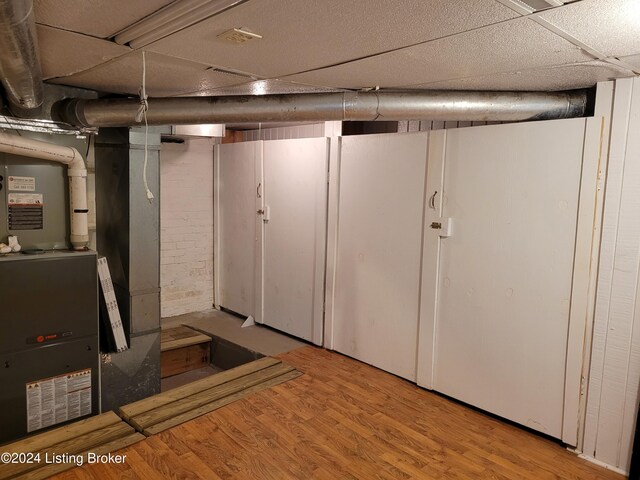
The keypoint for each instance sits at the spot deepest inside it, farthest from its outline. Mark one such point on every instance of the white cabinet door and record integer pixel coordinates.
(295, 199)
(237, 236)
(505, 275)
(379, 243)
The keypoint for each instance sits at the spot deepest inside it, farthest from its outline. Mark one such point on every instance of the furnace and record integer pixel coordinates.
(49, 346)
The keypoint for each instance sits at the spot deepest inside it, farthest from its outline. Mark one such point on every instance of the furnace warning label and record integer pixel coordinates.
(22, 184)
(26, 211)
(25, 199)
(55, 400)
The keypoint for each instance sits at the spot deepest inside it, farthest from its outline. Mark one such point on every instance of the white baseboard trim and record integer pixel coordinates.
(602, 464)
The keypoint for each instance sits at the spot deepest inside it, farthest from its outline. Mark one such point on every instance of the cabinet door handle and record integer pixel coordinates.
(432, 200)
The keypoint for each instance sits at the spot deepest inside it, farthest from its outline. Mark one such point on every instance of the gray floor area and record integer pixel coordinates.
(187, 377)
(256, 338)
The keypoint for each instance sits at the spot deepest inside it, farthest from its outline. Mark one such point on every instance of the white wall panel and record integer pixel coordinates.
(377, 275)
(505, 279)
(295, 194)
(237, 237)
(615, 364)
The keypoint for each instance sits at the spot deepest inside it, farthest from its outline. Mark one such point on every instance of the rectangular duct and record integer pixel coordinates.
(129, 236)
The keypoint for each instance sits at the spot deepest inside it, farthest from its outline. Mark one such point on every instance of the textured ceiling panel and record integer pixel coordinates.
(299, 35)
(64, 53)
(610, 26)
(540, 79)
(264, 87)
(166, 76)
(98, 18)
(509, 46)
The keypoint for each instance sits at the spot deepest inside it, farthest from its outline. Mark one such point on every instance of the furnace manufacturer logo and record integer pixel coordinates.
(49, 337)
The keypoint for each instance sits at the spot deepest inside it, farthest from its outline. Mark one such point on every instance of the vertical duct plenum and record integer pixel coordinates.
(129, 237)
(19, 60)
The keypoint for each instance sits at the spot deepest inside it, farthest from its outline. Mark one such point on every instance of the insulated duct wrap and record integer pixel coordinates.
(19, 61)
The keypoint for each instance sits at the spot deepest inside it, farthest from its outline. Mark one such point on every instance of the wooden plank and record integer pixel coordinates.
(73, 430)
(69, 446)
(53, 469)
(183, 336)
(175, 333)
(209, 407)
(161, 399)
(152, 417)
(173, 362)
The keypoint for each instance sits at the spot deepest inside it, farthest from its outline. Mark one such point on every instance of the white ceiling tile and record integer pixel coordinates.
(505, 47)
(98, 18)
(64, 53)
(565, 77)
(299, 35)
(610, 26)
(166, 76)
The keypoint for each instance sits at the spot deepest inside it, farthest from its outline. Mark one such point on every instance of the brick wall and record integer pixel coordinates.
(186, 227)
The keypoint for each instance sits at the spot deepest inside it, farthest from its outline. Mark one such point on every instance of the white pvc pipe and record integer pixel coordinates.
(76, 171)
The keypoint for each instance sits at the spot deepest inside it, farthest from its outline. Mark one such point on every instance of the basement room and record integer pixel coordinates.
(320, 239)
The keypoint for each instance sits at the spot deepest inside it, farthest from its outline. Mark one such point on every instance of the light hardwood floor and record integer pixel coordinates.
(345, 420)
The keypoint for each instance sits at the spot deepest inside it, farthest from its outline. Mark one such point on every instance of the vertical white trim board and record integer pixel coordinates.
(216, 227)
(615, 169)
(603, 109)
(615, 363)
(258, 155)
(582, 269)
(332, 239)
(430, 258)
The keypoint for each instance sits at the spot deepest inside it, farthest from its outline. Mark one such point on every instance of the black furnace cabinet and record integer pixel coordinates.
(48, 341)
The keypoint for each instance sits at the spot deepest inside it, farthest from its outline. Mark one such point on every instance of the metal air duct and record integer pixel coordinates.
(360, 106)
(19, 62)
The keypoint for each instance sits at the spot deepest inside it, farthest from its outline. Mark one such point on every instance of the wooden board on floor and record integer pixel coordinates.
(182, 336)
(102, 433)
(168, 409)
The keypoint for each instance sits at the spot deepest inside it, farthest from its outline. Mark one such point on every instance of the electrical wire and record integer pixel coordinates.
(140, 115)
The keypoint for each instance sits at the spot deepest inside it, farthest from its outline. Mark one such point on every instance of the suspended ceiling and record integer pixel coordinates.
(311, 45)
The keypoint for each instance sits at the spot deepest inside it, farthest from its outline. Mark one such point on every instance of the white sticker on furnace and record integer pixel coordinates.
(55, 400)
(22, 184)
(26, 199)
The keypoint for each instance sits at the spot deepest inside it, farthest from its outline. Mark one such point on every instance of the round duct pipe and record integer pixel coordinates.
(357, 106)
(19, 61)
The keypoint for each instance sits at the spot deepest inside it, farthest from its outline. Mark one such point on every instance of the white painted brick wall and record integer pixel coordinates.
(186, 227)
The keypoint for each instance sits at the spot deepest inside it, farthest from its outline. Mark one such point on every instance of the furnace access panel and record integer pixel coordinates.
(48, 341)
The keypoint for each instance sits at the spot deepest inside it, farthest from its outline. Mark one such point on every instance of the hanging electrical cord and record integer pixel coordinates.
(140, 115)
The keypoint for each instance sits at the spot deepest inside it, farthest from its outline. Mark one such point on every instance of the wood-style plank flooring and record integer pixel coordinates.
(344, 420)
